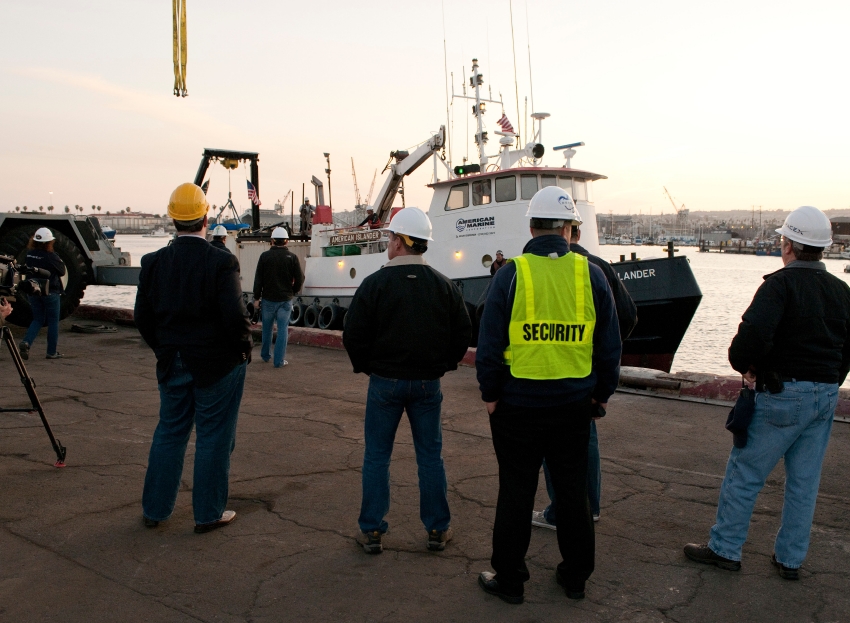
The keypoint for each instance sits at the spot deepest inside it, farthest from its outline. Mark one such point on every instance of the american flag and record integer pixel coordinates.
(252, 194)
(505, 124)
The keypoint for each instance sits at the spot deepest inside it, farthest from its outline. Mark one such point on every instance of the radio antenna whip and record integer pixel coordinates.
(513, 49)
(446, 80)
(528, 40)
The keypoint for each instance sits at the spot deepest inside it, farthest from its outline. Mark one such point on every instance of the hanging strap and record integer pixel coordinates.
(180, 46)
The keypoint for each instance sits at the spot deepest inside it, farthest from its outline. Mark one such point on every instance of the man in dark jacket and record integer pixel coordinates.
(794, 344)
(218, 238)
(548, 359)
(498, 262)
(189, 310)
(277, 278)
(626, 319)
(407, 325)
(371, 220)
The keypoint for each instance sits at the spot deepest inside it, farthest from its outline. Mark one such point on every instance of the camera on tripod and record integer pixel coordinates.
(16, 278)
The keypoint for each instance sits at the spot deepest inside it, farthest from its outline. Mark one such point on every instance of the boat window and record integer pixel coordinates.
(506, 188)
(590, 191)
(458, 197)
(547, 180)
(528, 184)
(482, 192)
(580, 190)
(567, 184)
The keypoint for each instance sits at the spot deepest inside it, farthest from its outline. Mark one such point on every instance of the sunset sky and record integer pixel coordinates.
(728, 104)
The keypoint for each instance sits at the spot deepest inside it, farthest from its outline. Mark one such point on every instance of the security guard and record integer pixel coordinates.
(548, 359)
(794, 344)
(218, 238)
(189, 310)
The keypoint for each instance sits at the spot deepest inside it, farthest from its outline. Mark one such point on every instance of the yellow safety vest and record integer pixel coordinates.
(552, 320)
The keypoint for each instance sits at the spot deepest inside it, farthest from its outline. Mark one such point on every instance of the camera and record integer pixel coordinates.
(14, 279)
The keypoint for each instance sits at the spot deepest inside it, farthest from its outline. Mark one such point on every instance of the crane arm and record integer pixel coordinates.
(667, 192)
(372, 187)
(356, 189)
(403, 167)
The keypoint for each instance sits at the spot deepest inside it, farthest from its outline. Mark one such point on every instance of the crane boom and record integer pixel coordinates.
(356, 190)
(371, 188)
(670, 197)
(405, 165)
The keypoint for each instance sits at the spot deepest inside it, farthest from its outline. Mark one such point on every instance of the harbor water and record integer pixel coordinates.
(728, 282)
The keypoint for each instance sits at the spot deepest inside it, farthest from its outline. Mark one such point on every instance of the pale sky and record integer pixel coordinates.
(728, 104)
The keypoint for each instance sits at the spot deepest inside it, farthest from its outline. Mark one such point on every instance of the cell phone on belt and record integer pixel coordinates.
(598, 410)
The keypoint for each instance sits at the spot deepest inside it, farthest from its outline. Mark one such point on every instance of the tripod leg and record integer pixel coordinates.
(29, 385)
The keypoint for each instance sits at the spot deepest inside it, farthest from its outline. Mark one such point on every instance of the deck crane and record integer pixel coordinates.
(356, 189)
(401, 164)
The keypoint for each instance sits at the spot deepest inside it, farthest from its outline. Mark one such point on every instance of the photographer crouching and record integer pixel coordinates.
(45, 307)
(189, 310)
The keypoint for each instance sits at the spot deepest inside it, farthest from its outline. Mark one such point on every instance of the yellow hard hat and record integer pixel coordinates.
(188, 203)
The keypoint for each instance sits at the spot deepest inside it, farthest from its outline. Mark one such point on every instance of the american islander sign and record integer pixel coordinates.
(356, 237)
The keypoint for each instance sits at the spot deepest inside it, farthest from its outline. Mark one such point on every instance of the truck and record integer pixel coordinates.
(89, 256)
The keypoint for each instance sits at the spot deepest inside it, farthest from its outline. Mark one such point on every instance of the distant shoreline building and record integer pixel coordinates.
(135, 222)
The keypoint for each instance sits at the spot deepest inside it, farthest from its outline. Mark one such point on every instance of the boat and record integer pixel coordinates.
(847, 268)
(108, 232)
(159, 232)
(476, 209)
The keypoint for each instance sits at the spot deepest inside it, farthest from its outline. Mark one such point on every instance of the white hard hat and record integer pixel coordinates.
(411, 222)
(280, 232)
(553, 203)
(807, 225)
(42, 234)
(219, 231)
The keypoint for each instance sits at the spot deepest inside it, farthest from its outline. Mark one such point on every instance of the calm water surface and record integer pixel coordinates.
(728, 283)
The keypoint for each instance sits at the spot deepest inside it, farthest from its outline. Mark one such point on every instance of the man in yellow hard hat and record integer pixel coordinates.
(189, 310)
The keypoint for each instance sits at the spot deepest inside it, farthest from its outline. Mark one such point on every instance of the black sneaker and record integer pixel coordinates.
(150, 523)
(371, 542)
(437, 539)
(705, 555)
(55, 356)
(24, 349)
(490, 584)
(786, 573)
(572, 592)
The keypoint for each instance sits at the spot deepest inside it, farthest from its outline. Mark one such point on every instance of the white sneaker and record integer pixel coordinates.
(537, 519)
(596, 517)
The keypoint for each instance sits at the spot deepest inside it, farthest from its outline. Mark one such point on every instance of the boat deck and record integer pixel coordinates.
(74, 548)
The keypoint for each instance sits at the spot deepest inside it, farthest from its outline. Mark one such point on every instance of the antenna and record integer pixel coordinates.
(528, 40)
(513, 49)
(446, 80)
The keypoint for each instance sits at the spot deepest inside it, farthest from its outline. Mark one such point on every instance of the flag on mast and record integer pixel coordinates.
(505, 124)
(252, 194)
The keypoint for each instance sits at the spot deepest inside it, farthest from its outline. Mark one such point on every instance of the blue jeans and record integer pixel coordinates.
(795, 424)
(594, 479)
(386, 401)
(45, 311)
(214, 411)
(280, 312)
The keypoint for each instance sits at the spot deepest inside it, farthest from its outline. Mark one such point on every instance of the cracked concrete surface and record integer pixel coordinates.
(73, 548)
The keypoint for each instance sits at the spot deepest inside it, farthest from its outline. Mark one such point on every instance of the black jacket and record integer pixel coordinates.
(495, 378)
(797, 326)
(47, 260)
(220, 245)
(407, 321)
(189, 301)
(278, 276)
(626, 308)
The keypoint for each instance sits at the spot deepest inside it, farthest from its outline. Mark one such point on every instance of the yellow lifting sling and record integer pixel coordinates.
(180, 47)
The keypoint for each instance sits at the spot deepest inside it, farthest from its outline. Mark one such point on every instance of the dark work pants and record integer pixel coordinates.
(522, 438)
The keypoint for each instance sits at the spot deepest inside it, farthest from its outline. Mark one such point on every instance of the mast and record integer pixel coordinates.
(478, 111)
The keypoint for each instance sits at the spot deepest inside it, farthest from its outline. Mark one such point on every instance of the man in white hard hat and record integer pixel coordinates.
(626, 320)
(277, 278)
(218, 237)
(794, 344)
(548, 359)
(407, 326)
(46, 308)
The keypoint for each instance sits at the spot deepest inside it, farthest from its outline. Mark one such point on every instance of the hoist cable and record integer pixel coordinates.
(180, 44)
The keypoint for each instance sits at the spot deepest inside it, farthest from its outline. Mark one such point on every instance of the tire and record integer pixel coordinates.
(76, 278)
(296, 318)
(311, 316)
(330, 317)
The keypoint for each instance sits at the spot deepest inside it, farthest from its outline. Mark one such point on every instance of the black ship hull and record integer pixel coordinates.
(667, 296)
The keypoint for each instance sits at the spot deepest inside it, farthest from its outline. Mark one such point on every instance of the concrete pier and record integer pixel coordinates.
(73, 547)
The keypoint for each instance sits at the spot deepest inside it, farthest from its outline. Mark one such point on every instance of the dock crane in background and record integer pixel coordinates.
(681, 212)
(371, 188)
(356, 189)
